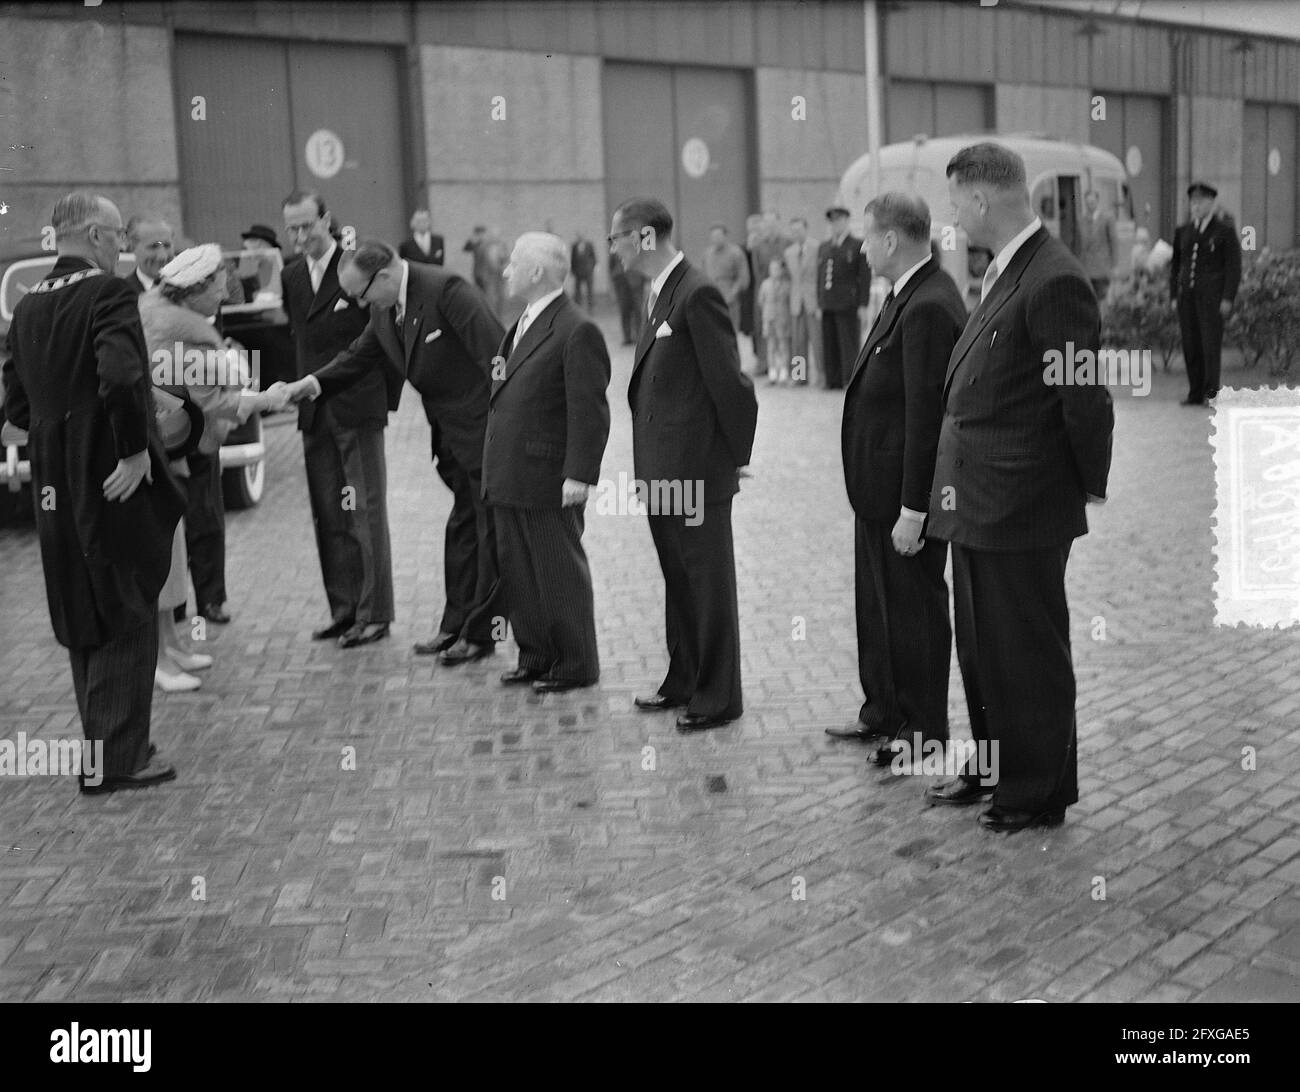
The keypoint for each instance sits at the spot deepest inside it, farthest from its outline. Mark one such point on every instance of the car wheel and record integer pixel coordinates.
(242, 487)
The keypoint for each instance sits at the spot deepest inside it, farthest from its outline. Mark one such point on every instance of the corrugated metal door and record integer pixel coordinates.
(935, 109)
(1134, 130)
(275, 111)
(681, 134)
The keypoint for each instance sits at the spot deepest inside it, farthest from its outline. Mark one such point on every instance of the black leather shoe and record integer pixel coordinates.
(656, 704)
(1006, 820)
(464, 652)
(858, 730)
(333, 630)
(957, 792)
(883, 755)
(216, 612)
(441, 641)
(155, 773)
(364, 633)
(559, 686)
(520, 675)
(700, 722)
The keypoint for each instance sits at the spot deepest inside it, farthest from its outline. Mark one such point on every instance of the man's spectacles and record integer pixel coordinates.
(120, 232)
(300, 229)
(619, 234)
(360, 297)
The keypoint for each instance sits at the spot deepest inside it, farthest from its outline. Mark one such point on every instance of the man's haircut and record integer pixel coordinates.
(549, 251)
(989, 165)
(299, 196)
(901, 212)
(420, 212)
(370, 257)
(75, 212)
(645, 212)
(138, 221)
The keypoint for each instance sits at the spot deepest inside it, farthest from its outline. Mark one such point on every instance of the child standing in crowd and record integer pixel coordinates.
(774, 306)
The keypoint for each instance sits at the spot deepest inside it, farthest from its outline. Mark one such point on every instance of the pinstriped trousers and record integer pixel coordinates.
(114, 687)
(546, 585)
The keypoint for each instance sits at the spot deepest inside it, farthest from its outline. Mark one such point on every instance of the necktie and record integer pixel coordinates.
(398, 315)
(653, 297)
(317, 272)
(990, 275)
(519, 330)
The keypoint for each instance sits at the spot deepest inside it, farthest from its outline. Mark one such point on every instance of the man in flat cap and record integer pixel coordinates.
(843, 285)
(1203, 279)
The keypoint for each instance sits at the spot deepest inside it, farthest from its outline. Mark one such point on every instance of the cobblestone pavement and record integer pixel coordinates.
(498, 845)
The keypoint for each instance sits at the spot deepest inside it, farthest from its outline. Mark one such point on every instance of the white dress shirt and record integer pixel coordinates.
(316, 267)
(1008, 252)
(656, 285)
(424, 240)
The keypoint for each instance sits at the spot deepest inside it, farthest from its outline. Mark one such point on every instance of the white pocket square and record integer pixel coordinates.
(435, 334)
(664, 331)
(341, 305)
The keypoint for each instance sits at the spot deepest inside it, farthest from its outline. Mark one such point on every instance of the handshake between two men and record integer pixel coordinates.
(279, 395)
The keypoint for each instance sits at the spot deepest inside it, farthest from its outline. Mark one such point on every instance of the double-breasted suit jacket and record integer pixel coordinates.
(1019, 456)
(549, 418)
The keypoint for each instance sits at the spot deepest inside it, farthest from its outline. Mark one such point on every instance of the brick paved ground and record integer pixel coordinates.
(622, 882)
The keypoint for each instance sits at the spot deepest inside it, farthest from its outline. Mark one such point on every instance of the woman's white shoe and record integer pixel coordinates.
(173, 682)
(189, 661)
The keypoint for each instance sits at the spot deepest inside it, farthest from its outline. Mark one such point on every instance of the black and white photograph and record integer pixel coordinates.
(650, 501)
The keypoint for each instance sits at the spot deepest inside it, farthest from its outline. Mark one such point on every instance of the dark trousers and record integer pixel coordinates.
(579, 284)
(205, 529)
(904, 639)
(702, 618)
(347, 484)
(114, 687)
(1202, 330)
(471, 571)
(546, 588)
(631, 306)
(1013, 645)
(840, 333)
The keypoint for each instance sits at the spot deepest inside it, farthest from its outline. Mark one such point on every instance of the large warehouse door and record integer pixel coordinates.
(1268, 174)
(914, 107)
(281, 115)
(682, 134)
(1134, 130)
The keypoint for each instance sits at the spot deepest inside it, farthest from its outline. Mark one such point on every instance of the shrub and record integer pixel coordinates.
(1137, 313)
(1265, 322)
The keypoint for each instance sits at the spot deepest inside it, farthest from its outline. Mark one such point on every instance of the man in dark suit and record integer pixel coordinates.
(1020, 454)
(428, 327)
(153, 244)
(843, 285)
(582, 260)
(342, 439)
(892, 410)
(77, 379)
(546, 432)
(693, 419)
(1203, 279)
(422, 245)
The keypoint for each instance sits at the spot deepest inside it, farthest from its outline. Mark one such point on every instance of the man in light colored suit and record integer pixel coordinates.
(546, 433)
(1022, 450)
(1098, 244)
(806, 316)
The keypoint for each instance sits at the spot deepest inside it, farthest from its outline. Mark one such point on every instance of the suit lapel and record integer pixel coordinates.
(889, 316)
(534, 338)
(1004, 288)
(329, 283)
(663, 304)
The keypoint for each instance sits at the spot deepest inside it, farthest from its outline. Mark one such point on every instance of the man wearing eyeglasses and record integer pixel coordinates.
(342, 440)
(77, 379)
(432, 329)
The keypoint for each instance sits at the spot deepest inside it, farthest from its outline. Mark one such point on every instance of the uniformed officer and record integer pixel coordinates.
(843, 285)
(1203, 279)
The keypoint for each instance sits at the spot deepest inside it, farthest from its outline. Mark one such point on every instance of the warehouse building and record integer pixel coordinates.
(527, 115)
